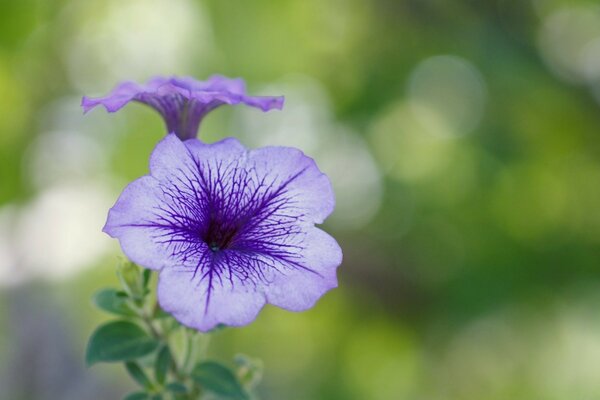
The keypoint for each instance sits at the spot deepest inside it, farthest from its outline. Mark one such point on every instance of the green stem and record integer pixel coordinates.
(178, 373)
(148, 321)
(189, 350)
(196, 391)
(195, 347)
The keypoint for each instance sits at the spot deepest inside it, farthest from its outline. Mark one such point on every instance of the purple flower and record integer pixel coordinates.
(183, 102)
(229, 229)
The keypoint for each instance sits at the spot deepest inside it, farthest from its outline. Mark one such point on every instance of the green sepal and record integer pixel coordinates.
(138, 374)
(219, 379)
(118, 341)
(146, 276)
(159, 313)
(217, 328)
(110, 301)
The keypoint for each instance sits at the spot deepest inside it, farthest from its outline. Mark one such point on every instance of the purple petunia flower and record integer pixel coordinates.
(229, 229)
(183, 102)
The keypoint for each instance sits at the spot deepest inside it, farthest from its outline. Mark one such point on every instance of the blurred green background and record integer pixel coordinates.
(462, 139)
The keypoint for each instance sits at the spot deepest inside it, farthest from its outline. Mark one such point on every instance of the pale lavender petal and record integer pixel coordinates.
(296, 290)
(133, 222)
(121, 95)
(305, 183)
(171, 158)
(207, 300)
(227, 150)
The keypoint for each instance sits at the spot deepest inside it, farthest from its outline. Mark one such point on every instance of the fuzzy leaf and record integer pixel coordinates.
(110, 301)
(138, 374)
(118, 341)
(219, 379)
(177, 388)
(163, 362)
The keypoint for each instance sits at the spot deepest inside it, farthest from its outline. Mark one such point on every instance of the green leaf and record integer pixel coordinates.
(177, 388)
(138, 374)
(118, 341)
(163, 362)
(109, 300)
(219, 379)
(137, 396)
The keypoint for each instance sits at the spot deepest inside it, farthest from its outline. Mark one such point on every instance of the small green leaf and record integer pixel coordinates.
(176, 387)
(249, 370)
(131, 279)
(219, 379)
(163, 362)
(137, 396)
(109, 300)
(118, 341)
(138, 374)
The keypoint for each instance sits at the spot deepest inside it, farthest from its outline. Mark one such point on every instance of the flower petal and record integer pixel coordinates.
(224, 151)
(204, 301)
(303, 180)
(171, 157)
(298, 289)
(222, 83)
(115, 100)
(132, 220)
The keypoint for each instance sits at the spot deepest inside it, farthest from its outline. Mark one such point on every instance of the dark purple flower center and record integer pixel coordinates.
(219, 235)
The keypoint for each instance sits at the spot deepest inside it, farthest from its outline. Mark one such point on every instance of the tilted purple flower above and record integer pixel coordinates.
(229, 229)
(183, 102)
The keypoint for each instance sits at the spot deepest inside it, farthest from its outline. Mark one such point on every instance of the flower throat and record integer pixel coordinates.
(219, 236)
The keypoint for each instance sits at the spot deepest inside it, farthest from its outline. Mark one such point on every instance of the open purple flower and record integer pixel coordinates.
(183, 102)
(229, 229)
